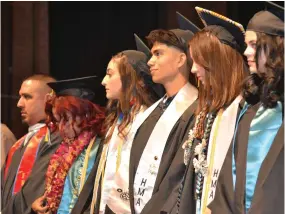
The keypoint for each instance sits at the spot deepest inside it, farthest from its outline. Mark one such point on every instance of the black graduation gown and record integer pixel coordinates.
(84, 200)
(34, 186)
(187, 204)
(268, 196)
(172, 166)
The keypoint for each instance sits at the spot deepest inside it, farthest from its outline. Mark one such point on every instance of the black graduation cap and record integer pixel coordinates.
(89, 88)
(186, 28)
(138, 59)
(141, 46)
(186, 24)
(269, 21)
(226, 30)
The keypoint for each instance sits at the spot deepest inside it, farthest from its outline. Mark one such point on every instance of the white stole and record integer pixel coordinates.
(218, 151)
(150, 160)
(120, 181)
(110, 168)
(103, 158)
(118, 198)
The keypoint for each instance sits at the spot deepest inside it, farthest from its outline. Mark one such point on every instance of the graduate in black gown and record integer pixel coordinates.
(154, 149)
(220, 75)
(176, 167)
(130, 92)
(252, 178)
(22, 180)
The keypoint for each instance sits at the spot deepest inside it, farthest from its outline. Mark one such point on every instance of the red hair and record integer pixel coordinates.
(92, 115)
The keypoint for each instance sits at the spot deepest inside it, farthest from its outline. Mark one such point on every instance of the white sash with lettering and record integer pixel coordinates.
(150, 160)
(118, 200)
(116, 185)
(223, 140)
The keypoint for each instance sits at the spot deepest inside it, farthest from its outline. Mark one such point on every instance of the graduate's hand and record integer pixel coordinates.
(208, 211)
(38, 206)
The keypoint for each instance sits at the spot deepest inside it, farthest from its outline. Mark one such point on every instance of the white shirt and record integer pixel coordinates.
(33, 130)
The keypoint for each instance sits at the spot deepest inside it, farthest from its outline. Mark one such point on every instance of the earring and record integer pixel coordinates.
(198, 82)
(133, 101)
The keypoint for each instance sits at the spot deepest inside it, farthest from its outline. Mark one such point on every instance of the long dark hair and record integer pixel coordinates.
(266, 86)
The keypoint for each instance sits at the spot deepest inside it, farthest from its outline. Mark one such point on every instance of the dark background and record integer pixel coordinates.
(75, 39)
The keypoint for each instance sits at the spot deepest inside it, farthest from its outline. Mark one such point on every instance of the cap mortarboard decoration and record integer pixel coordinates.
(269, 21)
(186, 24)
(89, 88)
(226, 30)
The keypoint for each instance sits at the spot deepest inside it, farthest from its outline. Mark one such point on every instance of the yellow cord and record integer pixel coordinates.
(85, 164)
(211, 161)
(100, 172)
(118, 161)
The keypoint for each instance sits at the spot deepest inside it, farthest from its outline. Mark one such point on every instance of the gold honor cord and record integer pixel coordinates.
(85, 164)
(104, 167)
(118, 162)
(47, 136)
(100, 172)
(211, 160)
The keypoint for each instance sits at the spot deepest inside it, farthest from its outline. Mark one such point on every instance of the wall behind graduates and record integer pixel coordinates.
(85, 35)
(75, 39)
(24, 51)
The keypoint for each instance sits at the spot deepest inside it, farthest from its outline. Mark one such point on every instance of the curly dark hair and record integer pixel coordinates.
(251, 88)
(267, 85)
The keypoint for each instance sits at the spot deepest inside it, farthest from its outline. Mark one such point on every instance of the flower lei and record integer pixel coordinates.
(59, 165)
(187, 145)
(200, 160)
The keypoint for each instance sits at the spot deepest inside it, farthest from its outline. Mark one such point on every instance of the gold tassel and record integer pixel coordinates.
(100, 172)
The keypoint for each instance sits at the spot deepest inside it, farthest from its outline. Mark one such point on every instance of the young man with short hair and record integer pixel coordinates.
(154, 148)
